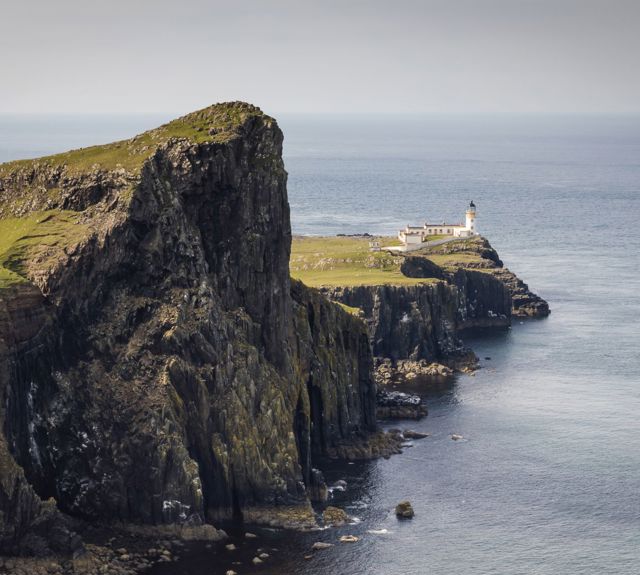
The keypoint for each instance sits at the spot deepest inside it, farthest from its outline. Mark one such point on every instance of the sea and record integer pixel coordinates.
(547, 478)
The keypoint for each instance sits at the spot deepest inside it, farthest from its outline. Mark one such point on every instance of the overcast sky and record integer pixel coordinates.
(410, 56)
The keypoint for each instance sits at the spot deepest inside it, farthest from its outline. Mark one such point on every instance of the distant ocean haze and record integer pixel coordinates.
(548, 480)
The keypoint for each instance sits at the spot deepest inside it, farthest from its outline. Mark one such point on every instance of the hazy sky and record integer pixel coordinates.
(412, 56)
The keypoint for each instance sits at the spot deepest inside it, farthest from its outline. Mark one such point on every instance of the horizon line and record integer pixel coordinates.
(176, 114)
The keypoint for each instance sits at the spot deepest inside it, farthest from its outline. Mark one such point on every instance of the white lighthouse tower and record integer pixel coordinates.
(470, 223)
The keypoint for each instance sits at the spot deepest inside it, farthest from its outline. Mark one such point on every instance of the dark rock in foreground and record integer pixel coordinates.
(158, 367)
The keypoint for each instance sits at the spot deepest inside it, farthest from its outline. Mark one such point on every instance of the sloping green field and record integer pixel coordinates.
(33, 236)
(346, 261)
(214, 124)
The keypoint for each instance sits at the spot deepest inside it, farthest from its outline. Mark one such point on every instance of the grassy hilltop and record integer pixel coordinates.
(213, 124)
(35, 225)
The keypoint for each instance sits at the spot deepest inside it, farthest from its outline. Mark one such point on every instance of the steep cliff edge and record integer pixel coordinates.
(415, 304)
(476, 253)
(158, 367)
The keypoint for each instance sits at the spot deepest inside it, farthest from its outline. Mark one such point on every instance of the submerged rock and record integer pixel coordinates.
(320, 545)
(411, 434)
(340, 485)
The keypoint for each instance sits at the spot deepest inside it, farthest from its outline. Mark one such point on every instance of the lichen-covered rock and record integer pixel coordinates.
(157, 365)
(387, 371)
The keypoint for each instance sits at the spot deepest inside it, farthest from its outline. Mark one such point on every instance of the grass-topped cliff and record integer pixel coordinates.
(157, 364)
(47, 205)
(218, 123)
(415, 302)
(336, 262)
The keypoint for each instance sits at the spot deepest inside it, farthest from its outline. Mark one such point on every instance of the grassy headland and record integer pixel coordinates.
(332, 261)
(346, 261)
(33, 227)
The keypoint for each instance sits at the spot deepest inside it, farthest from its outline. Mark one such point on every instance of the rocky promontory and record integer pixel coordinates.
(416, 304)
(476, 253)
(158, 366)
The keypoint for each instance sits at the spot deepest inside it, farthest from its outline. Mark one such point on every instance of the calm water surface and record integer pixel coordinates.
(547, 480)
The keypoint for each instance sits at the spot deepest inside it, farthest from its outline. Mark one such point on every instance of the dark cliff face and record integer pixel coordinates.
(178, 376)
(26, 520)
(422, 321)
(484, 300)
(415, 322)
(333, 357)
(470, 288)
(485, 259)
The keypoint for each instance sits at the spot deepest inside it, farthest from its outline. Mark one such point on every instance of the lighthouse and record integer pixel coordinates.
(470, 223)
(412, 237)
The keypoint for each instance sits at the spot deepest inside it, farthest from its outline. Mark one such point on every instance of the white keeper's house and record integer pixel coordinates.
(415, 235)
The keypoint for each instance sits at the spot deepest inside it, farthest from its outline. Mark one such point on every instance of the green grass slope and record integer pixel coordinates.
(346, 261)
(35, 237)
(216, 123)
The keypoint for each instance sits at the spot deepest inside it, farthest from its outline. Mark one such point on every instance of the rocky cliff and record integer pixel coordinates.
(415, 322)
(465, 286)
(157, 365)
(477, 254)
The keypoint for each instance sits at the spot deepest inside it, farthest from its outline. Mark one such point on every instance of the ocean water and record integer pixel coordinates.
(547, 479)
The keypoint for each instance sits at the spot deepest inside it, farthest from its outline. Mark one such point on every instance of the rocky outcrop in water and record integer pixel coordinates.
(400, 405)
(157, 365)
